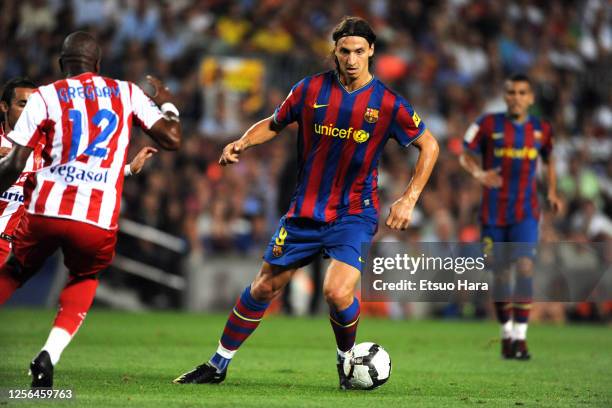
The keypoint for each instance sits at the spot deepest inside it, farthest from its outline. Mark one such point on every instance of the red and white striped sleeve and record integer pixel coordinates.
(31, 124)
(145, 110)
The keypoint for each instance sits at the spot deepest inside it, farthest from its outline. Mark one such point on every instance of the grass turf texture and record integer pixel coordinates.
(123, 360)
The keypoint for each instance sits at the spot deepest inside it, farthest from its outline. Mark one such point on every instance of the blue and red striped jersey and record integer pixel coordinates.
(341, 136)
(514, 148)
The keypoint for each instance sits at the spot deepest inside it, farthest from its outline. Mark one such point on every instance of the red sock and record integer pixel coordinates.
(8, 285)
(521, 311)
(74, 302)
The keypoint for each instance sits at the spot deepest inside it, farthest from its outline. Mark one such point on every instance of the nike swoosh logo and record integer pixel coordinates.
(361, 260)
(316, 105)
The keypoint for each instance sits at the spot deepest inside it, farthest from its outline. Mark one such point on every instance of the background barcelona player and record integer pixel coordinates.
(345, 117)
(509, 144)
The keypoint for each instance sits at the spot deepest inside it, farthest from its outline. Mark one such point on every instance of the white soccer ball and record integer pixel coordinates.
(367, 366)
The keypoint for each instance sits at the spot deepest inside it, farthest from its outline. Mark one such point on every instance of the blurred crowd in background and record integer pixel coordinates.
(448, 58)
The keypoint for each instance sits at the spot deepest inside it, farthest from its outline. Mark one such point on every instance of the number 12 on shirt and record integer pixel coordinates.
(106, 130)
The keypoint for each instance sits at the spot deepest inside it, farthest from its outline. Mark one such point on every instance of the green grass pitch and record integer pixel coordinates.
(128, 360)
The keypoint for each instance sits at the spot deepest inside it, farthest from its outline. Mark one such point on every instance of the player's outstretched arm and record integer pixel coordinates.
(167, 130)
(400, 214)
(139, 160)
(12, 165)
(488, 178)
(259, 133)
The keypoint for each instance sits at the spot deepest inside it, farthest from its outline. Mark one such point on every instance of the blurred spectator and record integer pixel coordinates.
(35, 16)
(580, 182)
(170, 39)
(139, 22)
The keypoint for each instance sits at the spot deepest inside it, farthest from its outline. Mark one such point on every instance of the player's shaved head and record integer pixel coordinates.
(80, 52)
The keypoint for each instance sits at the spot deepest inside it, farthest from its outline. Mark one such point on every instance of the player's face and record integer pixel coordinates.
(352, 54)
(519, 97)
(17, 104)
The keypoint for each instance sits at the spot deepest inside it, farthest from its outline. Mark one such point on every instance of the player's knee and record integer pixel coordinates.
(263, 290)
(16, 271)
(268, 283)
(524, 267)
(502, 277)
(339, 297)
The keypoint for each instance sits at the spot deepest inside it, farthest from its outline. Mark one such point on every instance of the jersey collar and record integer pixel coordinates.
(361, 88)
(516, 122)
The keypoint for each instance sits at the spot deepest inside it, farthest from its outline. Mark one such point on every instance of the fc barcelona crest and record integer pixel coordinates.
(371, 115)
(277, 250)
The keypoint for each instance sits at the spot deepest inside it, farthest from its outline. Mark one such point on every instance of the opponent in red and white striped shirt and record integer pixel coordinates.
(84, 123)
(72, 201)
(15, 94)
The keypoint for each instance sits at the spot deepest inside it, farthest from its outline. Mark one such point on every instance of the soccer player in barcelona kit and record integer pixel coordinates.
(509, 144)
(83, 124)
(345, 118)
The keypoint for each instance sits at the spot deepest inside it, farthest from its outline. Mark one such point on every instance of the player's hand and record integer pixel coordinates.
(139, 160)
(490, 178)
(400, 214)
(4, 151)
(161, 93)
(231, 153)
(556, 204)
